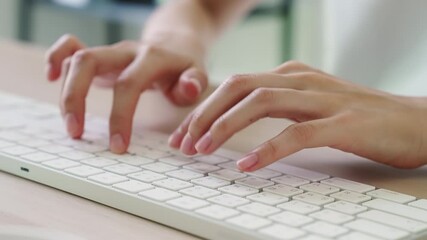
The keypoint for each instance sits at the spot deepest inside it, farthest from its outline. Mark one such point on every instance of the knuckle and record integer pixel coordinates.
(125, 44)
(221, 125)
(302, 133)
(150, 49)
(271, 149)
(68, 38)
(263, 95)
(292, 65)
(237, 82)
(126, 84)
(83, 56)
(70, 100)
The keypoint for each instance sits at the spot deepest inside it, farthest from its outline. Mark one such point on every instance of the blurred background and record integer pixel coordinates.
(379, 43)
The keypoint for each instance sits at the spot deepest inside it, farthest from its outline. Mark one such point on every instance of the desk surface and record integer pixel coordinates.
(23, 202)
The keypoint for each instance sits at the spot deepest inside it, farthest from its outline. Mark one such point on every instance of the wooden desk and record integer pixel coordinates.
(26, 203)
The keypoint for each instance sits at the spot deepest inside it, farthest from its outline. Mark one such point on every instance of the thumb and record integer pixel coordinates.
(190, 85)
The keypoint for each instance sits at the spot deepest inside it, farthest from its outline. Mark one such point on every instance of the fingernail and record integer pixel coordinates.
(117, 144)
(203, 144)
(247, 162)
(71, 123)
(187, 144)
(175, 139)
(196, 84)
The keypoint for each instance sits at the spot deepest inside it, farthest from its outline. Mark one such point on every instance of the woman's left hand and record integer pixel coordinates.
(327, 111)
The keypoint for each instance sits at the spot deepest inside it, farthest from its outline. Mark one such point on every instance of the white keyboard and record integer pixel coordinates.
(203, 195)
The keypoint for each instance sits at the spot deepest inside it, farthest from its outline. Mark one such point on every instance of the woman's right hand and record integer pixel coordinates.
(130, 68)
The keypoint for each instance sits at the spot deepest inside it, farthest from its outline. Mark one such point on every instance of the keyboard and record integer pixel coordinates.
(203, 195)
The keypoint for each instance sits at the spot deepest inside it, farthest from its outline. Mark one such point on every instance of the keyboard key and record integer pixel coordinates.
(299, 207)
(108, 178)
(332, 216)
(391, 196)
(325, 229)
(159, 167)
(55, 148)
(91, 148)
(133, 160)
(177, 160)
(200, 192)
(265, 173)
(319, 188)
(348, 185)
(394, 221)
(122, 169)
(238, 190)
(99, 162)
(259, 209)
(229, 165)
(217, 212)
(249, 221)
(398, 209)
(376, 229)
(421, 203)
(4, 144)
(228, 200)
(254, 182)
(172, 184)
(133, 186)
(313, 198)
(12, 136)
(202, 167)
(297, 172)
(357, 236)
(290, 180)
(76, 155)
(350, 196)
(346, 207)
(291, 219)
(146, 176)
(188, 203)
(282, 232)
(283, 190)
(160, 194)
(60, 163)
(148, 153)
(184, 174)
(17, 150)
(34, 143)
(83, 171)
(227, 174)
(210, 182)
(39, 156)
(211, 159)
(268, 198)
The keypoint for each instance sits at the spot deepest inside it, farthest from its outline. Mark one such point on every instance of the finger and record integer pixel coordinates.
(63, 48)
(85, 65)
(189, 87)
(263, 102)
(136, 78)
(234, 90)
(316, 133)
(294, 67)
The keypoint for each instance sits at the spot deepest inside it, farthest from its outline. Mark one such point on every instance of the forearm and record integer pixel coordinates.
(194, 22)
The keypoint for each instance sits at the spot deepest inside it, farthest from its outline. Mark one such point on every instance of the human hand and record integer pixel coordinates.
(129, 68)
(327, 111)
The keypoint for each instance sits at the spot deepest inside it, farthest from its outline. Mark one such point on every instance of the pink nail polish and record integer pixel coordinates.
(248, 161)
(117, 144)
(187, 144)
(196, 84)
(203, 144)
(71, 123)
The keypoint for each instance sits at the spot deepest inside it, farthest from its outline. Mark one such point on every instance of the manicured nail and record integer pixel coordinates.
(248, 161)
(117, 144)
(196, 84)
(71, 123)
(203, 144)
(187, 144)
(175, 139)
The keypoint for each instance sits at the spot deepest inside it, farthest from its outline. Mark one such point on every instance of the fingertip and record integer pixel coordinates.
(117, 144)
(175, 139)
(187, 145)
(72, 125)
(248, 163)
(192, 88)
(52, 73)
